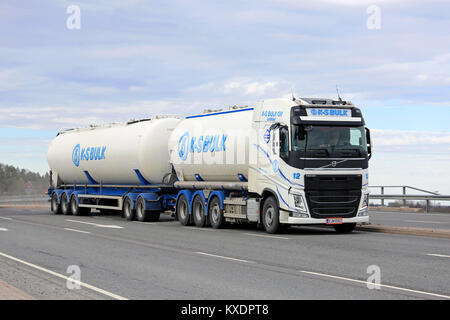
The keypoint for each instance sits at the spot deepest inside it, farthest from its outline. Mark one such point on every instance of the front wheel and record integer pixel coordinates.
(271, 215)
(344, 228)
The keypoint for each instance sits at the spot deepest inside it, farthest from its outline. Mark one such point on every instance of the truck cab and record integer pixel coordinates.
(312, 160)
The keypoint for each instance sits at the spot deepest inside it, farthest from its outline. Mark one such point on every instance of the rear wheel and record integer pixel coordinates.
(74, 206)
(55, 205)
(65, 205)
(344, 228)
(128, 211)
(183, 210)
(198, 211)
(216, 218)
(271, 215)
(141, 214)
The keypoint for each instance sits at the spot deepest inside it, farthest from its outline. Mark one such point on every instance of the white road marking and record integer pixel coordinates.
(438, 255)
(266, 236)
(3, 229)
(5, 218)
(106, 293)
(222, 257)
(97, 225)
(75, 230)
(381, 285)
(203, 229)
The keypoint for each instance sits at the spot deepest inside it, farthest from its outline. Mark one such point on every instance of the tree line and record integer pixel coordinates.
(16, 181)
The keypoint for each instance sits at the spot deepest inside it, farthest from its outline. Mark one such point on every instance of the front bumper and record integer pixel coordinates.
(292, 220)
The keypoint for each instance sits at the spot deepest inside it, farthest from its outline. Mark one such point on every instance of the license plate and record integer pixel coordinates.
(334, 221)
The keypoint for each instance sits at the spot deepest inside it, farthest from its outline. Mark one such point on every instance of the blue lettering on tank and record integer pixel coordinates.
(86, 154)
(208, 143)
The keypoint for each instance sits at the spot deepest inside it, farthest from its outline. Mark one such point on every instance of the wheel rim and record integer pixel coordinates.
(140, 209)
(183, 209)
(215, 213)
(74, 206)
(54, 204)
(127, 208)
(65, 204)
(268, 217)
(198, 211)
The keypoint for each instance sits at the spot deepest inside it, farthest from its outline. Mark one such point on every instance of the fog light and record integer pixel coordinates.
(300, 215)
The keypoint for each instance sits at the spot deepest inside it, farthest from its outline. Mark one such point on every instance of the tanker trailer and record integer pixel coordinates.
(276, 164)
(114, 167)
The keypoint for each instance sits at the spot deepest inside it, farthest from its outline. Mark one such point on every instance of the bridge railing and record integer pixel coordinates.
(424, 195)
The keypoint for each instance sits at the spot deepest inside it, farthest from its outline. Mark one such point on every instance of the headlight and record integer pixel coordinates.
(299, 203)
(364, 211)
(365, 203)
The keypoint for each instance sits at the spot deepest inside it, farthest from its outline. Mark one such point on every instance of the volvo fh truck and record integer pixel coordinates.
(299, 162)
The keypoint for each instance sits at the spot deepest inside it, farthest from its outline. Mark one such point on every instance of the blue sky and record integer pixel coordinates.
(132, 59)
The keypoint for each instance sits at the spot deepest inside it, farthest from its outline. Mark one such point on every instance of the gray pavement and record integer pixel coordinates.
(165, 260)
(411, 219)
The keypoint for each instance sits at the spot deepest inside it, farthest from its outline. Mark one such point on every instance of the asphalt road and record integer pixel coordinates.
(164, 260)
(411, 219)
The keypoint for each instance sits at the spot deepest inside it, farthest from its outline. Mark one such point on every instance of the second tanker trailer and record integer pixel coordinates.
(286, 163)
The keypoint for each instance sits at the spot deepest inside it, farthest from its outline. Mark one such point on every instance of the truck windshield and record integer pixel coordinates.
(331, 139)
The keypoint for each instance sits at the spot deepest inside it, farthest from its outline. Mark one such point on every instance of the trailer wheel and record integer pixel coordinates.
(344, 228)
(216, 218)
(198, 212)
(128, 211)
(144, 215)
(183, 210)
(74, 206)
(65, 205)
(55, 206)
(271, 215)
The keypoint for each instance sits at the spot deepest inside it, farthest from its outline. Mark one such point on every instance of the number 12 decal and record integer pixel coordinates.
(296, 175)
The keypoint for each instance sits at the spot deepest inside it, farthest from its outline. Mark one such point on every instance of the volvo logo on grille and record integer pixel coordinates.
(333, 163)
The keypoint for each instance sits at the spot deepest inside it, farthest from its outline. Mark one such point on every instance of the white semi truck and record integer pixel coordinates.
(275, 164)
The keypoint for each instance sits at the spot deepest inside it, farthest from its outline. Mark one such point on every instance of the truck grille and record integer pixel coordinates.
(333, 195)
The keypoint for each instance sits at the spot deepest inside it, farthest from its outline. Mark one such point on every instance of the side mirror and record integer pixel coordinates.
(369, 143)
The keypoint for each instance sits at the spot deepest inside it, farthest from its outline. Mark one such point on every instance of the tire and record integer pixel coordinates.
(128, 212)
(183, 210)
(198, 212)
(74, 206)
(271, 215)
(55, 206)
(216, 218)
(141, 214)
(345, 227)
(65, 205)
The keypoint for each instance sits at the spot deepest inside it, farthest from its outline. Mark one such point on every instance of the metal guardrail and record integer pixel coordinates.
(428, 196)
(29, 198)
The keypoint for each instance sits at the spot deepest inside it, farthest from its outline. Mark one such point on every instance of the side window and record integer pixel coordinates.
(355, 137)
(284, 142)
